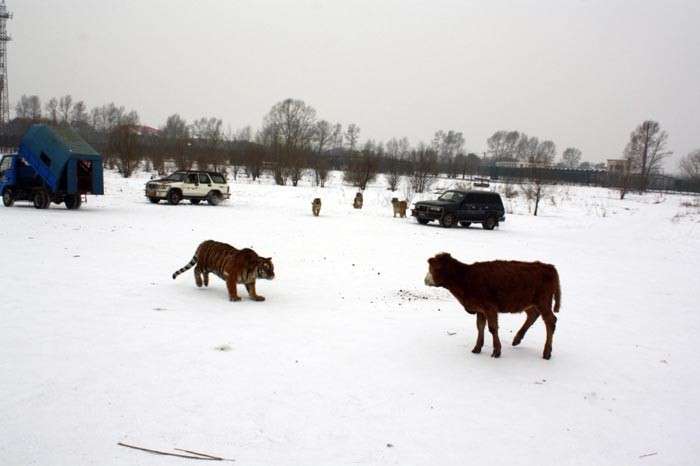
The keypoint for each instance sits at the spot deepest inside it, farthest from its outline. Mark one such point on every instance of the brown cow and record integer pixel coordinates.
(487, 288)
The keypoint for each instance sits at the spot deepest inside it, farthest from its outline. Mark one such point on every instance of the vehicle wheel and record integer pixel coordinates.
(194, 201)
(448, 220)
(465, 224)
(73, 201)
(174, 197)
(214, 198)
(41, 200)
(490, 223)
(154, 200)
(8, 198)
(423, 221)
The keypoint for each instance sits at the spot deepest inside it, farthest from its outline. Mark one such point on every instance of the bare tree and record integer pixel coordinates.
(95, 118)
(322, 168)
(337, 136)
(541, 155)
(209, 137)
(65, 107)
(243, 134)
(546, 153)
(503, 145)
(393, 174)
(51, 108)
(469, 164)
(253, 160)
(105, 118)
(363, 167)
(424, 161)
(125, 144)
(28, 108)
(296, 165)
(690, 165)
(352, 137)
(79, 116)
(322, 139)
(289, 128)
(448, 145)
(177, 139)
(646, 150)
(571, 157)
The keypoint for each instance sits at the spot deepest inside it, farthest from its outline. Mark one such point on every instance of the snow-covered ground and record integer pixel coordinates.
(351, 359)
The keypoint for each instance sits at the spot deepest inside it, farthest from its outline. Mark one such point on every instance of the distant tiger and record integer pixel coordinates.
(232, 265)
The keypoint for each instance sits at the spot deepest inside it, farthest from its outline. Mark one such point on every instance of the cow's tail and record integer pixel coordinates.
(557, 292)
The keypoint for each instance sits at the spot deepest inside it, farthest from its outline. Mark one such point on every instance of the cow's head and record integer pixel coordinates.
(435, 267)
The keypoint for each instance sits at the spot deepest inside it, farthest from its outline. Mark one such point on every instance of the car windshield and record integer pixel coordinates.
(452, 196)
(177, 176)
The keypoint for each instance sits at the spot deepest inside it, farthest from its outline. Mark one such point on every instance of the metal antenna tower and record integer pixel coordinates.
(4, 38)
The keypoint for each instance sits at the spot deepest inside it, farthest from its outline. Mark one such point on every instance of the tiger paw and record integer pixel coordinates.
(259, 298)
(235, 298)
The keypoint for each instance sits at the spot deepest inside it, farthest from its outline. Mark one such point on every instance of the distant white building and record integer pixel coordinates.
(619, 167)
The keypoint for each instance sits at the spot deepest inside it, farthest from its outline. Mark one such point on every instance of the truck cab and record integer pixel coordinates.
(14, 172)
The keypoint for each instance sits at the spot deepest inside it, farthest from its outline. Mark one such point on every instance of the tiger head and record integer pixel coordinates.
(266, 269)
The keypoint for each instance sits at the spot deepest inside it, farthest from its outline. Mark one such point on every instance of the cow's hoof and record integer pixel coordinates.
(237, 298)
(496, 354)
(516, 341)
(259, 298)
(547, 356)
(476, 350)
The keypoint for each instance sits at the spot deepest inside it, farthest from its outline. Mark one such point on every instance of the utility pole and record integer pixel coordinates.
(4, 39)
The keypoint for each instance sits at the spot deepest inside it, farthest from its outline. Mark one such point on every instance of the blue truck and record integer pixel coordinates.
(52, 165)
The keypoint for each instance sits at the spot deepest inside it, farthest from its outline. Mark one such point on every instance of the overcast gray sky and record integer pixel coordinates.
(583, 73)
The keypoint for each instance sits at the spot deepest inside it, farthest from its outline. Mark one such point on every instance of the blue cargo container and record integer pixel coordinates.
(52, 165)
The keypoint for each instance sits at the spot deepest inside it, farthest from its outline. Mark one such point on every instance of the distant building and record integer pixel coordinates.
(619, 167)
(515, 164)
(142, 130)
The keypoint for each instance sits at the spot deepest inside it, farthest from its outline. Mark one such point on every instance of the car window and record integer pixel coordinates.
(481, 198)
(204, 178)
(218, 178)
(492, 199)
(177, 176)
(191, 178)
(451, 196)
(471, 198)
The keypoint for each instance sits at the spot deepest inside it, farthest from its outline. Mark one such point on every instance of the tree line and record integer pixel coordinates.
(293, 142)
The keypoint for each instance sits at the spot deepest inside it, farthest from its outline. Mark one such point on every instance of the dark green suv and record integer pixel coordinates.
(463, 207)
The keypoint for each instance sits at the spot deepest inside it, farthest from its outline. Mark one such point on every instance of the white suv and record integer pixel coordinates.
(194, 185)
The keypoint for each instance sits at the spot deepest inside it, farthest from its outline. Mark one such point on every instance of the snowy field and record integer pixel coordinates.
(351, 360)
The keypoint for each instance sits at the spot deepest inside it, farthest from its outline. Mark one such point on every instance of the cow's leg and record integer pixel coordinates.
(480, 325)
(550, 321)
(532, 316)
(492, 321)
